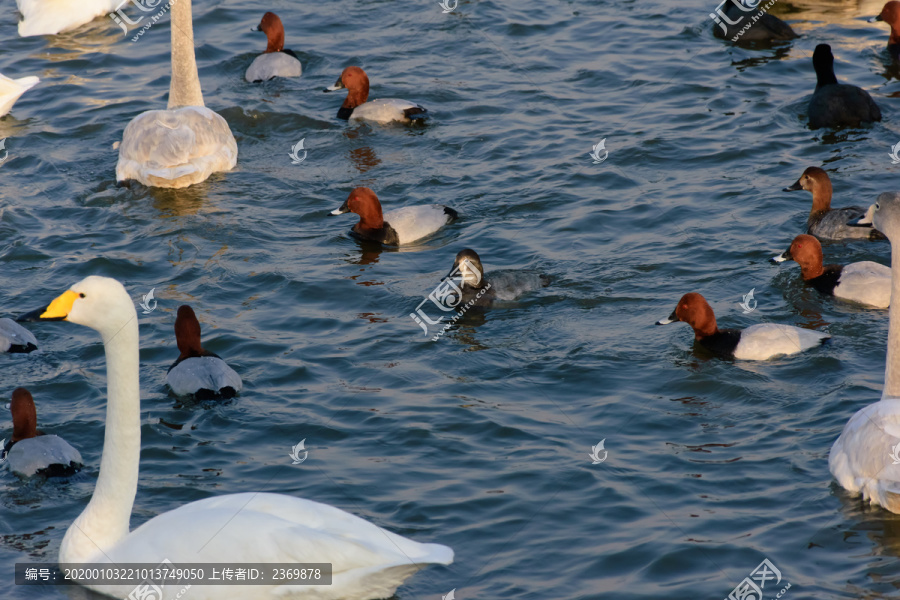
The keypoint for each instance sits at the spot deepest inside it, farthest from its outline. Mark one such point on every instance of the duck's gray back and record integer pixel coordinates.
(832, 225)
(13, 334)
(509, 285)
(27, 457)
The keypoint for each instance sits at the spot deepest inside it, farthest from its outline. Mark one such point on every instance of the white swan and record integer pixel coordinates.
(860, 459)
(11, 89)
(186, 143)
(49, 17)
(368, 562)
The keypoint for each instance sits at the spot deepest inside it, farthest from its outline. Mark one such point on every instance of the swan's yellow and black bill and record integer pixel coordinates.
(58, 310)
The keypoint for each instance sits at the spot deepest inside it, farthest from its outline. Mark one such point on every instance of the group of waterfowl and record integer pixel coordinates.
(187, 142)
(861, 458)
(174, 148)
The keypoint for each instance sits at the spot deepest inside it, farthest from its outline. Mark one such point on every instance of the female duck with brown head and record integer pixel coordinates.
(356, 107)
(836, 104)
(758, 342)
(198, 372)
(32, 452)
(15, 338)
(865, 282)
(276, 61)
(395, 227)
(484, 289)
(828, 223)
(860, 458)
(187, 142)
(890, 14)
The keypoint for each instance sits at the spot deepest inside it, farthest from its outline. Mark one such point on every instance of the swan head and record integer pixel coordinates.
(97, 302)
(885, 215)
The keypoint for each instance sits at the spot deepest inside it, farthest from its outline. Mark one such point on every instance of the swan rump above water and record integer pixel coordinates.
(861, 459)
(187, 142)
(49, 17)
(368, 562)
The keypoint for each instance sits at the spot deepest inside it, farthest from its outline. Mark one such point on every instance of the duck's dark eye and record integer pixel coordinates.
(877, 206)
(81, 295)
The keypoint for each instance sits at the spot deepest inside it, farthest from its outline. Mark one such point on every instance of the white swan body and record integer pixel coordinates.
(861, 458)
(11, 89)
(368, 562)
(49, 17)
(203, 373)
(31, 455)
(187, 142)
(15, 338)
(176, 148)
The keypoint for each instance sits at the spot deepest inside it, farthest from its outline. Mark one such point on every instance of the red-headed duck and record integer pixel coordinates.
(15, 338)
(890, 14)
(864, 282)
(355, 105)
(187, 142)
(32, 452)
(246, 527)
(395, 227)
(11, 89)
(836, 104)
(766, 28)
(758, 342)
(276, 61)
(198, 372)
(480, 289)
(825, 222)
(40, 17)
(861, 459)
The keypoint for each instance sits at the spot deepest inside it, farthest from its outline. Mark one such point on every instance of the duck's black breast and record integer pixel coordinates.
(386, 235)
(827, 281)
(722, 343)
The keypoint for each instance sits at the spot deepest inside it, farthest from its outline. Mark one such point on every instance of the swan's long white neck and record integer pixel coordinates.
(892, 366)
(185, 87)
(105, 520)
